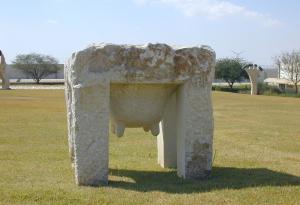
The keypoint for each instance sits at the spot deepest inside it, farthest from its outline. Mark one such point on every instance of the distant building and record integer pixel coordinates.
(281, 81)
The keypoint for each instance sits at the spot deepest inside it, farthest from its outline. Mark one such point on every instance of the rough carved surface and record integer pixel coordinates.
(133, 87)
(149, 63)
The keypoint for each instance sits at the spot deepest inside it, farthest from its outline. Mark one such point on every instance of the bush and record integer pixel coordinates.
(264, 89)
(234, 89)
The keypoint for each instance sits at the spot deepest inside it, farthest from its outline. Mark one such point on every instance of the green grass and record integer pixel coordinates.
(256, 146)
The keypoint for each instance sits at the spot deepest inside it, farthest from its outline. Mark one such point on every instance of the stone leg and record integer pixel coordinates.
(119, 129)
(90, 116)
(68, 96)
(5, 81)
(253, 87)
(195, 130)
(2, 79)
(166, 140)
(253, 75)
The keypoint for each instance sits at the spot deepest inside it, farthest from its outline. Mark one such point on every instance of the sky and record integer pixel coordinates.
(257, 30)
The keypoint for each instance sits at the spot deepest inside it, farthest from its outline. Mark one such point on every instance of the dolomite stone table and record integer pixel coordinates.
(140, 86)
(253, 72)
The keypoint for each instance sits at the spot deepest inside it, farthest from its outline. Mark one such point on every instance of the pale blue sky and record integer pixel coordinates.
(259, 28)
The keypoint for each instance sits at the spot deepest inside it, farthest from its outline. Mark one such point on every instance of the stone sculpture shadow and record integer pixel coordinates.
(222, 178)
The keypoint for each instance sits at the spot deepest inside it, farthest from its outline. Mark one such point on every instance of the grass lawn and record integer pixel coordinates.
(256, 143)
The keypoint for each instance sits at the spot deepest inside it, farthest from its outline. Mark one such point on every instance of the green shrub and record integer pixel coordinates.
(265, 89)
(235, 89)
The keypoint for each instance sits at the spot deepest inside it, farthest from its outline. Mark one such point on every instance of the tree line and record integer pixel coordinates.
(39, 66)
(231, 69)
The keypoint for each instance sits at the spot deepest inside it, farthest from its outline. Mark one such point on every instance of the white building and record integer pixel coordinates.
(282, 81)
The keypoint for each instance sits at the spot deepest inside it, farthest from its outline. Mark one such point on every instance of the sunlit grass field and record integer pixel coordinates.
(256, 156)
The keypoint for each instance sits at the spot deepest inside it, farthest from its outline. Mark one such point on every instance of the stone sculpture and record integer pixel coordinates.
(3, 73)
(253, 72)
(156, 87)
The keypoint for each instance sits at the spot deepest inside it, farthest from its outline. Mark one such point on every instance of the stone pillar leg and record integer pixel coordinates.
(68, 96)
(253, 87)
(195, 129)
(166, 140)
(253, 73)
(5, 81)
(4, 77)
(90, 132)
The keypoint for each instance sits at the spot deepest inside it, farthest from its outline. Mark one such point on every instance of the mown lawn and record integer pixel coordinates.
(257, 156)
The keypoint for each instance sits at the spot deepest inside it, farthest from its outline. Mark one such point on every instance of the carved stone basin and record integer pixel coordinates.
(138, 105)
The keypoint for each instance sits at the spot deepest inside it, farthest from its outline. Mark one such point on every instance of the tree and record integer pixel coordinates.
(288, 64)
(230, 70)
(38, 66)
